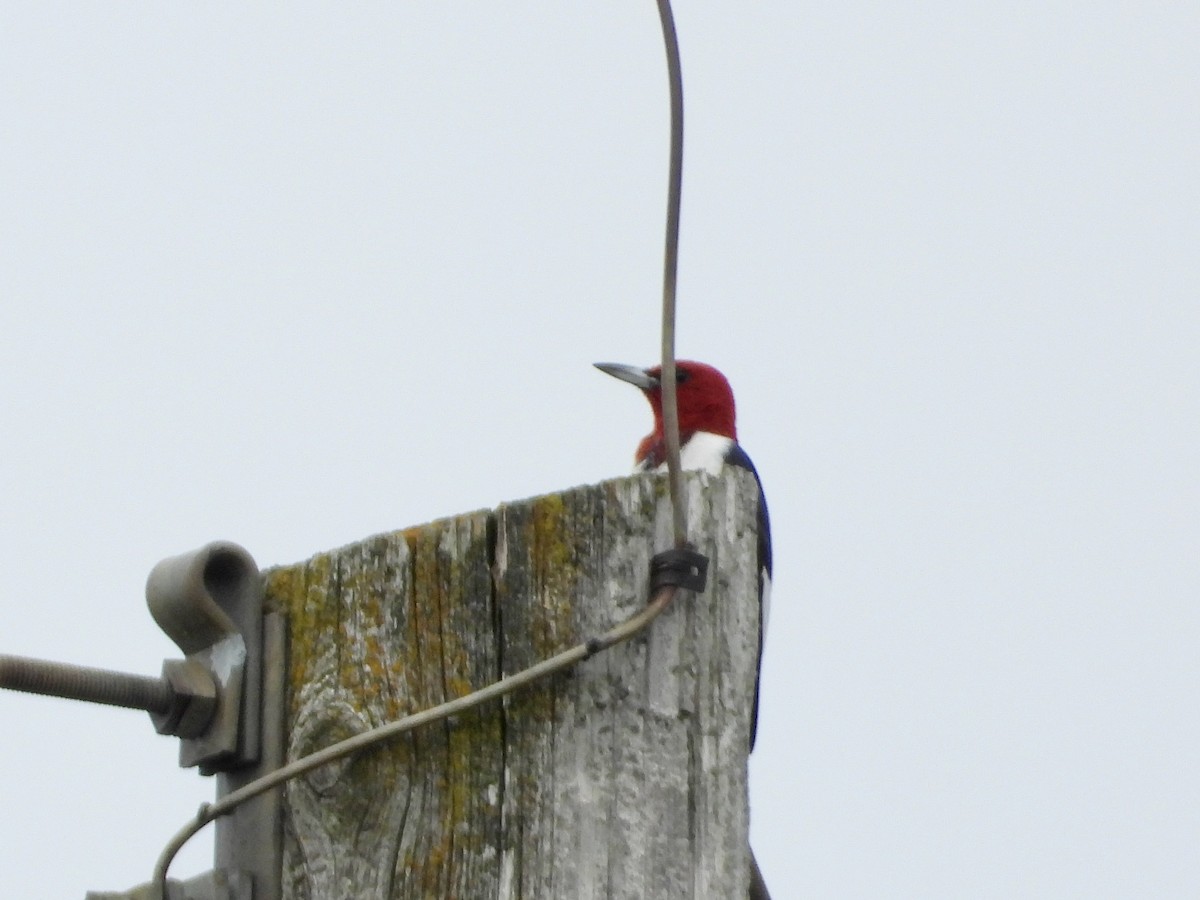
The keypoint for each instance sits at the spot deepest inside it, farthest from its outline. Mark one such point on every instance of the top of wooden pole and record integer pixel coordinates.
(624, 778)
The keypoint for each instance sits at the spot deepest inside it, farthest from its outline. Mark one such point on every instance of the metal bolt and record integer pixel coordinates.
(38, 676)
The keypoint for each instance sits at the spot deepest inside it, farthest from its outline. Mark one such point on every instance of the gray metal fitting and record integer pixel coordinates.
(194, 694)
(209, 602)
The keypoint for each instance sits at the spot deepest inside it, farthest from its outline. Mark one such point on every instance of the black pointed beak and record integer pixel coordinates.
(635, 376)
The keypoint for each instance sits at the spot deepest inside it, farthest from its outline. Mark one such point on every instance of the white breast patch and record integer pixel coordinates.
(704, 451)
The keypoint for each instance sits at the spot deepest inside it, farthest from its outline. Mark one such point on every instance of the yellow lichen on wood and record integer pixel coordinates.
(553, 560)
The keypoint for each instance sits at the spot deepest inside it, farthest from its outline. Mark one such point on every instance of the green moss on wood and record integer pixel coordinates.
(554, 560)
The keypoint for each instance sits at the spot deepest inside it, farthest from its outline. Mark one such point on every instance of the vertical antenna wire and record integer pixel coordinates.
(670, 268)
(758, 887)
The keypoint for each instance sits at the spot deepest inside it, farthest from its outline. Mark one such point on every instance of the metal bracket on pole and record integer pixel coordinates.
(209, 602)
(216, 885)
(224, 700)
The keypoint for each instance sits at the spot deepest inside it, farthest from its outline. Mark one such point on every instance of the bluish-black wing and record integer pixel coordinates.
(738, 457)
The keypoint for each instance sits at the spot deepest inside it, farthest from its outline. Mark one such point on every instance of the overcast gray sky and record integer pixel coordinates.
(295, 277)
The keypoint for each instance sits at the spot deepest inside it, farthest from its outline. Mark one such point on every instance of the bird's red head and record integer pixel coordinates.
(703, 396)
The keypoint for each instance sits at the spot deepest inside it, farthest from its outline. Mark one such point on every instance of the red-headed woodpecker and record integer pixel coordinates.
(708, 440)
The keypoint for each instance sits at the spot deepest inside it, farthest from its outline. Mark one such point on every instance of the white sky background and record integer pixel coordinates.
(294, 279)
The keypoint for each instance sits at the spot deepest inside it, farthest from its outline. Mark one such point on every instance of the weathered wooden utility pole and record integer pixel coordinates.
(625, 777)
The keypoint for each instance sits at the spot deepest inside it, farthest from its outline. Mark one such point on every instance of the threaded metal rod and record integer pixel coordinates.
(39, 676)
